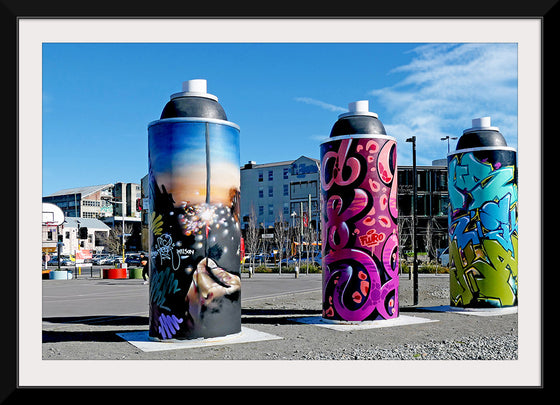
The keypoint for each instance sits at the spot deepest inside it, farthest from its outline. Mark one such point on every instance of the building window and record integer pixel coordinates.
(261, 192)
(261, 210)
(439, 205)
(270, 209)
(270, 191)
(422, 182)
(260, 176)
(286, 172)
(270, 175)
(303, 189)
(423, 204)
(286, 190)
(405, 204)
(439, 180)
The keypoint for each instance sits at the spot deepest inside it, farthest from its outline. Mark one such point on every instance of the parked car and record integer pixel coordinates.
(313, 258)
(65, 260)
(53, 261)
(290, 260)
(132, 260)
(95, 259)
(105, 260)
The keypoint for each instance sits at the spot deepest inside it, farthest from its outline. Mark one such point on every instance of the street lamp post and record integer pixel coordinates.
(448, 138)
(414, 193)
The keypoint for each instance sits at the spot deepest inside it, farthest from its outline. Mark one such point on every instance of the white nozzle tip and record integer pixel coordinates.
(483, 122)
(195, 86)
(360, 106)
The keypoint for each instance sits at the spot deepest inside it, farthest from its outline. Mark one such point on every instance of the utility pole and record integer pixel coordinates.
(414, 249)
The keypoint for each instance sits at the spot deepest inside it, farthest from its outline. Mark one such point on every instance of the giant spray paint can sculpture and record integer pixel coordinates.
(482, 219)
(194, 179)
(359, 219)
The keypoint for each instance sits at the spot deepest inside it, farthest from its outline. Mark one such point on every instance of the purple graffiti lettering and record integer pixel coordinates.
(340, 162)
(337, 229)
(360, 262)
(340, 264)
(168, 325)
(384, 167)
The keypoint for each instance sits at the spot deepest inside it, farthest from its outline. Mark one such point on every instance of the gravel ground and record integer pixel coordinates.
(453, 337)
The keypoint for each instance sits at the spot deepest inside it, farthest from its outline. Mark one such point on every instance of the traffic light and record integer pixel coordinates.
(83, 232)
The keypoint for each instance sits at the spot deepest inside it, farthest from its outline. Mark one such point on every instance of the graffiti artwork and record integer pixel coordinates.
(483, 229)
(194, 181)
(359, 225)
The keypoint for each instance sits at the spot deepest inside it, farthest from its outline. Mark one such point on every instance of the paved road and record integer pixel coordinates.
(85, 296)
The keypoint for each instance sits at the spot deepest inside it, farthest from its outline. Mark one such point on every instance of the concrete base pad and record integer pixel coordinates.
(141, 340)
(344, 326)
(473, 311)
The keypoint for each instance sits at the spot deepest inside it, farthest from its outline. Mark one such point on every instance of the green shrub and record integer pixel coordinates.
(313, 268)
(433, 268)
(263, 269)
(405, 268)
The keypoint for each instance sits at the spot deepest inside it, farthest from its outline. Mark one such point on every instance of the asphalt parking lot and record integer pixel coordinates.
(101, 319)
(91, 318)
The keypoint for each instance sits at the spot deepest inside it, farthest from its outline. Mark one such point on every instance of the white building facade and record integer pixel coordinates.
(274, 191)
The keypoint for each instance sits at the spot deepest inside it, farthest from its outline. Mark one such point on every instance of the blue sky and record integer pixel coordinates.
(98, 99)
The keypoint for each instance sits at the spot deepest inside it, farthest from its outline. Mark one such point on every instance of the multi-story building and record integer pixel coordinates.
(432, 199)
(84, 202)
(95, 236)
(102, 202)
(130, 193)
(65, 235)
(274, 191)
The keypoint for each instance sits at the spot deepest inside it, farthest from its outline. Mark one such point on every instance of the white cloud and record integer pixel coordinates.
(444, 87)
(321, 104)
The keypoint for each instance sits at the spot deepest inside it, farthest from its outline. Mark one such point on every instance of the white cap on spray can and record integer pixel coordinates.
(481, 124)
(360, 107)
(194, 88)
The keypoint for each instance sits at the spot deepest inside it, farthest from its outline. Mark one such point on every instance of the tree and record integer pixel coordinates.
(281, 238)
(252, 239)
(431, 238)
(114, 240)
